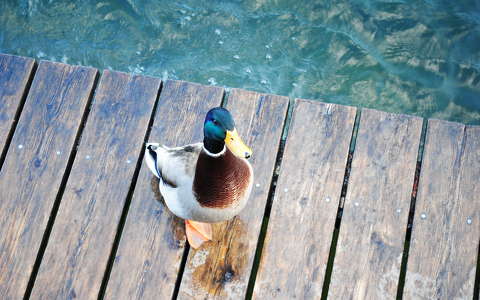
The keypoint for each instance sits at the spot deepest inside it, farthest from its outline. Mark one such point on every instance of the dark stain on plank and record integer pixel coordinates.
(228, 268)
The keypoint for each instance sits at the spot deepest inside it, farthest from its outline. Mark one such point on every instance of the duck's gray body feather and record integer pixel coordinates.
(176, 168)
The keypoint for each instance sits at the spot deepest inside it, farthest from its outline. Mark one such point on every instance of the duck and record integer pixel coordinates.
(205, 182)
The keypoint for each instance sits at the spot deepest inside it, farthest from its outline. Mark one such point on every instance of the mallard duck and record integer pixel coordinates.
(205, 182)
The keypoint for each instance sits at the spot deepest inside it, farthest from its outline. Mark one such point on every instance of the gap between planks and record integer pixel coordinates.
(411, 213)
(336, 232)
(338, 220)
(58, 198)
(166, 128)
(123, 217)
(268, 205)
(444, 251)
(23, 99)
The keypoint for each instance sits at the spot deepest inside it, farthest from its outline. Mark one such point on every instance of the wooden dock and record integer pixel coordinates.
(347, 203)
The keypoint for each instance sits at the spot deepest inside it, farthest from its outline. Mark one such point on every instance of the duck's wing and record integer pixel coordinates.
(174, 166)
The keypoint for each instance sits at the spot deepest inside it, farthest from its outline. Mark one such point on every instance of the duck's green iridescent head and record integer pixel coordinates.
(219, 130)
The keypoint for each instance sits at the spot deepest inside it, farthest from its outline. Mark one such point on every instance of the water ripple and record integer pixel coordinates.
(417, 57)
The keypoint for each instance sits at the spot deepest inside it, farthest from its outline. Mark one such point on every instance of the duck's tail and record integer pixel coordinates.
(153, 158)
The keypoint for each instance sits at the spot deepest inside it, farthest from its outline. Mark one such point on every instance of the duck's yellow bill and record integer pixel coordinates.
(236, 145)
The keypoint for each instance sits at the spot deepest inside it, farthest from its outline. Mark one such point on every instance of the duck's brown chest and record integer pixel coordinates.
(220, 182)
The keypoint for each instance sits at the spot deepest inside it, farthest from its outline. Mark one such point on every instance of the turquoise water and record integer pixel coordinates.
(416, 57)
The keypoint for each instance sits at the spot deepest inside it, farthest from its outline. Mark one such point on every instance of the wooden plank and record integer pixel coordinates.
(446, 230)
(14, 75)
(152, 243)
(306, 200)
(375, 215)
(81, 240)
(221, 269)
(33, 168)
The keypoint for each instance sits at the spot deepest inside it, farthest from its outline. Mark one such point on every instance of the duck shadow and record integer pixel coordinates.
(175, 236)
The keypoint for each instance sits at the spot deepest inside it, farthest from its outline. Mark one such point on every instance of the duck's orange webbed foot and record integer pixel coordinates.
(197, 233)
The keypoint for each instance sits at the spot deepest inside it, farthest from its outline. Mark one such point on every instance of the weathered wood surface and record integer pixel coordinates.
(444, 248)
(306, 200)
(15, 72)
(36, 161)
(220, 269)
(152, 244)
(375, 215)
(446, 230)
(81, 240)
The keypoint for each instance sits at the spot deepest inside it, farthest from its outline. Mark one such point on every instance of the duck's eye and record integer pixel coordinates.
(215, 121)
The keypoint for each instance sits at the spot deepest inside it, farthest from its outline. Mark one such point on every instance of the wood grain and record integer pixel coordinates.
(80, 243)
(152, 243)
(220, 269)
(32, 171)
(372, 233)
(446, 230)
(14, 75)
(306, 200)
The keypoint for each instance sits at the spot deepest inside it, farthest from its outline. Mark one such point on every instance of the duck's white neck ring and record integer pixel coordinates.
(215, 154)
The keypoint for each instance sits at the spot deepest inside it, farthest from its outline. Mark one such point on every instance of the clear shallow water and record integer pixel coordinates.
(416, 57)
